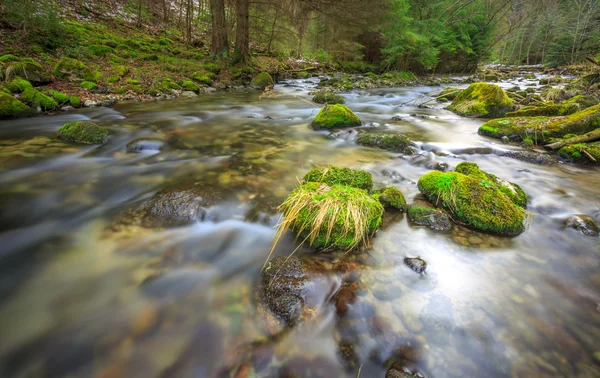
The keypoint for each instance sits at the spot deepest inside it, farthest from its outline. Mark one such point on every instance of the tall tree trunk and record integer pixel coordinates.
(272, 31)
(189, 17)
(242, 33)
(139, 14)
(220, 44)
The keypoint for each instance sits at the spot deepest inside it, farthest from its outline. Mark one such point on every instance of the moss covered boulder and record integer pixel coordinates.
(336, 216)
(511, 190)
(83, 132)
(10, 107)
(551, 109)
(390, 142)
(474, 202)
(581, 153)
(73, 70)
(334, 116)
(481, 100)
(37, 99)
(324, 97)
(391, 197)
(448, 94)
(435, 219)
(28, 69)
(18, 85)
(340, 176)
(261, 81)
(543, 129)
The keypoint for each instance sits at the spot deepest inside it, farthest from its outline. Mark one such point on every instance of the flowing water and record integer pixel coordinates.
(86, 293)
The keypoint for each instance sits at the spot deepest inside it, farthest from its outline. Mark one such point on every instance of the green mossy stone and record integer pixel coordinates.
(322, 97)
(7, 58)
(333, 116)
(10, 107)
(510, 189)
(473, 202)
(448, 94)
(203, 77)
(390, 142)
(88, 85)
(481, 100)
(432, 218)
(189, 85)
(28, 69)
(18, 85)
(165, 84)
(341, 176)
(73, 70)
(75, 101)
(121, 70)
(36, 98)
(391, 197)
(83, 132)
(343, 233)
(99, 50)
(548, 110)
(59, 97)
(261, 81)
(580, 153)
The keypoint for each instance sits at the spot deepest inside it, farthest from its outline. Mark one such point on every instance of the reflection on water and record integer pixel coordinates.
(93, 285)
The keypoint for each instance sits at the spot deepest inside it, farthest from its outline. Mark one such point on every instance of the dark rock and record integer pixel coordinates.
(529, 156)
(583, 224)
(437, 166)
(282, 286)
(397, 118)
(399, 371)
(429, 217)
(417, 264)
(145, 144)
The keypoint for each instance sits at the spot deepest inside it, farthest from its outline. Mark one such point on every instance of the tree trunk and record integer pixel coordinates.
(242, 34)
(220, 44)
(589, 137)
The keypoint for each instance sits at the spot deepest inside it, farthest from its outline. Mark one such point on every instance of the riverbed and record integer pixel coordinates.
(84, 293)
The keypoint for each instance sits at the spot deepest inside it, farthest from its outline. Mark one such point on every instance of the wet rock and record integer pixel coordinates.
(145, 144)
(397, 118)
(481, 100)
(189, 94)
(437, 166)
(83, 132)
(528, 156)
(90, 103)
(417, 264)
(422, 116)
(391, 197)
(399, 371)
(390, 142)
(583, 224)
(433, 218)
(335, 116)
(67, 108)
(345, 297)
(505, 139)
(282, 287)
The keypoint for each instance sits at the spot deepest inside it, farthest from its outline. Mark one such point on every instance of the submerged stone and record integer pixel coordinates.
(528, 156)
(481, 100)
(390, 142)
(433, 218)
(341, 176)
(282, 286)
(417, 264)
(145, 144)
(83, 132)
(332, 116)
(583, 224)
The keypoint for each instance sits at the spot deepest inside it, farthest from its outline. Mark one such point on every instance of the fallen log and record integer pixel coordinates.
(588, 137)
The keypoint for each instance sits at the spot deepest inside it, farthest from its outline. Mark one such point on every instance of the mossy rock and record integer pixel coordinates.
(165, 84)
(473, 202)
(333, 116)
(448, 94)
(59, 97)
(481, 100)
(261, 81)
(28, 69)
(10, 107)
(8, 58)
(18, 85)
(88, 85)
(341, 176)
(323, 97)
(510, 189)
(548, 110)
(581, 153)
(99, 50)
(121, 70)
(73, 70)
(83, 132)
(75, 101)
(543, 129)
(347, 216)
(189, 85)
(203, 77)
(391, 197)
(36, 98)
(390, 142)
(426, 216)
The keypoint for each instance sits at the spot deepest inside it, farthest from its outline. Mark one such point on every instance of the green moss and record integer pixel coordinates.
(582, 153)
(59, 97)
(448, 94)
(189, 85)
(342, 176)
(332, 116)
(473, 202)
(36, 98)
(75, 101)
(203, 78)
(6, 58)
(28, 69)
(88, 85)
(165, 84)
(261, 81)
(323, 97)
(165, 41)
(18, 85)
(99, 50)
(83, 132)
(121, 70)
(391, 142)
(120, 90)
(351, 214)
(513, 191)
(481, 100)
(212, 67)
(418, 213)
(10, 107)
(548, 109)
(391, 197)
(73, 70)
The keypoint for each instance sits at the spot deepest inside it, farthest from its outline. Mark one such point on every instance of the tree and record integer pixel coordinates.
(219, 44)
(242, 35)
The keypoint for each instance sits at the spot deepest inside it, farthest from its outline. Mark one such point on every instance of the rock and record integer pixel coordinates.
(390, 142)
(324, 97)
(473, 202)
(29, 69)
(391, 197)
(262, 81)
(505, 139)
(85, 132)
(417, 264)
(397, 118)
(332, 116)
(396, 370)
(581, 153)
(437, 165)
(145, 144)
(283, 281)
(448, 94)
(90, 103)
(583, 224)
(334, 216)
(67, 108)
(432, 218)
(528, 156)
(10, 107)
(189, 94)
(73, 70)
(481, 100)
(340, 176)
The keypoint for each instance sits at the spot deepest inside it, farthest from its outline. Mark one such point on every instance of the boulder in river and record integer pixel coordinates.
(325, 97)
(85, 132)
(145, 144)
(582, 153)
(334, 116)
(282, 285)
(262, 81)
(551, 109)
(474, 202)
(390, 142)
(417, 264)
(481, 100)
(341, 176)
(391, 197)
(448, 94)
(583, 224)
(426, 216)
(528, 156)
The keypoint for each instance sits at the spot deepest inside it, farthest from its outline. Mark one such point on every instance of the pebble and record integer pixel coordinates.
(475, 239)
(461, 240)
(90, 103)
